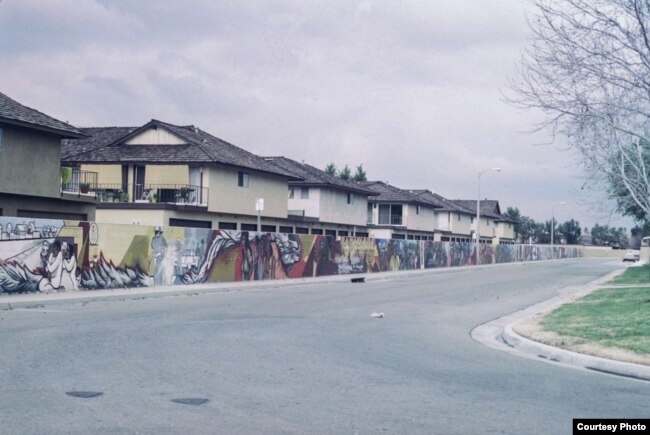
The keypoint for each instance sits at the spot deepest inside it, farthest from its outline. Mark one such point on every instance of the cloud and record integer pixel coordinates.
(411, 89)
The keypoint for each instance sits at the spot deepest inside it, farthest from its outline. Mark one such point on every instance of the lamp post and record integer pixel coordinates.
(478, 214)
(553, 228)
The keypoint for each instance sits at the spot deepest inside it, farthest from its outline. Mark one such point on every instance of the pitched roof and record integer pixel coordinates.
(12, 112)
(107, 145)
(443, 203)
(489, 208)
(388, 193)
(312, 176)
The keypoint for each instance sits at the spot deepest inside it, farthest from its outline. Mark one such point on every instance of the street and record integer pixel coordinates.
(304, 359)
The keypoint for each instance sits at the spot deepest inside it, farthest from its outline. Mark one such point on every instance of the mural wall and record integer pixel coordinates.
(57, 255)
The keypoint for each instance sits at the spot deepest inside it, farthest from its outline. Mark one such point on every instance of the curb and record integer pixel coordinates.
(499, 334)
(589, 362)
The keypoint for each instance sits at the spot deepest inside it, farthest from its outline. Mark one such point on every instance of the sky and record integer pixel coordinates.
(415, 91)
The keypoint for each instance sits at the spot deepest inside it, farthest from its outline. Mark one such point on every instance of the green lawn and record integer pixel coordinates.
(633, 275)
(610, 317)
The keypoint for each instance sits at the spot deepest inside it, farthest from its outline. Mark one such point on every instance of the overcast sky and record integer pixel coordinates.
(413, 90)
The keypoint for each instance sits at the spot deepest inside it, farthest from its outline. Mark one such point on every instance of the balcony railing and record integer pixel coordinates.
(393, 219)
(76, 181)
(185, 194)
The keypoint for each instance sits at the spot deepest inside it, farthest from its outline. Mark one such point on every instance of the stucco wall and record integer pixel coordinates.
(424, 221)
(310, 205)
(227, 197)
(30, 162)
(334, 207)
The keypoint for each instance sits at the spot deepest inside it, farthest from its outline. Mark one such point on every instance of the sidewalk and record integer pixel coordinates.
(501, 334)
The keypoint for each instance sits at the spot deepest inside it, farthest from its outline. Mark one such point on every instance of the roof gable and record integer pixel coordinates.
(194, 146)
(154, 136)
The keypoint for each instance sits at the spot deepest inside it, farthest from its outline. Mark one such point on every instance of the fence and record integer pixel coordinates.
(46, 255)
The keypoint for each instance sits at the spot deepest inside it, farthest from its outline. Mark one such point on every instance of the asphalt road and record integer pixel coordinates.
(304, 359)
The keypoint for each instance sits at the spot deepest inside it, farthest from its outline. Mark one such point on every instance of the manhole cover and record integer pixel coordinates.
(84, 394)
(195, 401)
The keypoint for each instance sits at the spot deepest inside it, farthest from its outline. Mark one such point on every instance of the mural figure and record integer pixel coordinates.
(246, 257)
(158, 251)
(45, 254)
(53, 269)
(69, 278)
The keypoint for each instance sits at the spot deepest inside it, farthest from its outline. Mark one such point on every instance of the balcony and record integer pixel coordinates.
(182, 194)
(77, 182)
(390, 220)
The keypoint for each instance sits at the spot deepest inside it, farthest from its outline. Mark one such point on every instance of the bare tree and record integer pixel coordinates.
(588, 69)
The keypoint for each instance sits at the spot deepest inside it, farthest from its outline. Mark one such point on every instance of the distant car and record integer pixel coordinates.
(631, 255)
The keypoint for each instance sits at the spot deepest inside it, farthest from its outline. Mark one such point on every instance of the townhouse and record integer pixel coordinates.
(165, 174)
(30, 168)
(453, 222)
(394, 213)
(320, 203)
(495, 227)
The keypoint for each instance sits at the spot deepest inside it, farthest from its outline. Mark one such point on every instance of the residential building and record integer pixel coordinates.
(30, 169)
(453, 222)
(166, 174)
(495, 227)
(395, 213)
(320, 203)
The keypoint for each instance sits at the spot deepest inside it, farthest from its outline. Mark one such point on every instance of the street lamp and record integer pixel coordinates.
(553, 227)
(478, 214)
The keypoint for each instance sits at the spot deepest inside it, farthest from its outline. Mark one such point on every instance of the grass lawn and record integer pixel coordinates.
(633, 275)
(610, 317)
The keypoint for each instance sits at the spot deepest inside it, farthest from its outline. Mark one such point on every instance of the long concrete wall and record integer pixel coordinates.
(57, 255)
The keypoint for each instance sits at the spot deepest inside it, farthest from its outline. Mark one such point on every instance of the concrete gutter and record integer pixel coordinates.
(499, 334)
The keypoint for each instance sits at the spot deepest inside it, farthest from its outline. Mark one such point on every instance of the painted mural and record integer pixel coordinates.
(41, 255)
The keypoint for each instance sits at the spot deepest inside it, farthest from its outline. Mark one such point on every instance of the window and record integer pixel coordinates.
(304, 193)
(302, 230)
(268, 228)
(398, 236)
(390, 214)
(417, 209)
(350, 198)
(227, 226)
(287, 230)
(384, 214)
(189, 223)
(458, 217)
(40, 214)
(242, 180)
(472, 219)
(249, 227)
(343, 233)
(369, 219)
(316, 231)
(361, 234)
(330, 233)
(292, 193)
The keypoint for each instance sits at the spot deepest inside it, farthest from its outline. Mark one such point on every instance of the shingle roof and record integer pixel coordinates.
(443, 203)
(12, 112)
(388, 193)
(312, 176)
(489, 208)
(106, 145)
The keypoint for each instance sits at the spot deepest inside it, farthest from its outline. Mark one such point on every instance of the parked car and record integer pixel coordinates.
(631, 255)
